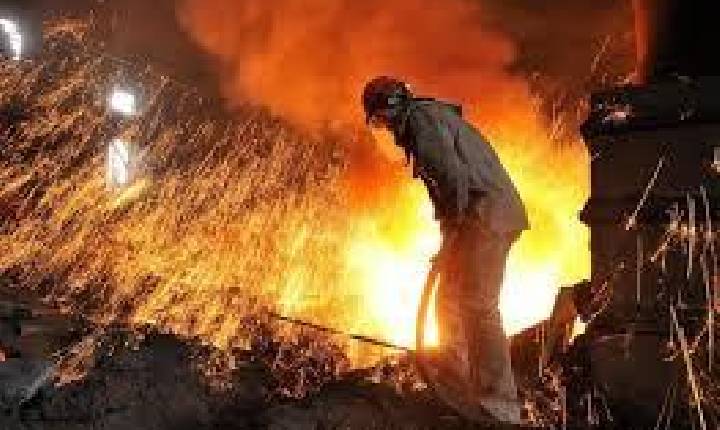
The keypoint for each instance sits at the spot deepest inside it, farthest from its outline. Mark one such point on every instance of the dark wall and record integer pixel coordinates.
(681, 37)
(141, 30)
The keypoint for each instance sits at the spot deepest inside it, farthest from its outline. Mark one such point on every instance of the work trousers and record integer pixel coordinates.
(478, 377)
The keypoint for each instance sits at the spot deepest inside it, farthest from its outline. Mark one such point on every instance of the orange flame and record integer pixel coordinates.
(338, 236)
(308, 59)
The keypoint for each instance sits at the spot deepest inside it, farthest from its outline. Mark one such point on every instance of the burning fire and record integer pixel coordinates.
(307, 60)
(232, 216)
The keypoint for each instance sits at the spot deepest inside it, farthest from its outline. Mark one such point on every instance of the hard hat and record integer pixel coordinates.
(383, 93)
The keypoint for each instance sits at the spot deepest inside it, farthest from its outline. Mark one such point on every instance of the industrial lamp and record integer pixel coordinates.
(123, 102)
(120, 164)
(13, 37)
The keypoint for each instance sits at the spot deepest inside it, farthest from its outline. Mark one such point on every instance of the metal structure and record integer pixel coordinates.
(652, 212)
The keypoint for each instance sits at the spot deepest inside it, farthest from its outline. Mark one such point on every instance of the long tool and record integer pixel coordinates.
(335, 332)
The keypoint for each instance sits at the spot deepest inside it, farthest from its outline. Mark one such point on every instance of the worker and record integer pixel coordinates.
(481, 215)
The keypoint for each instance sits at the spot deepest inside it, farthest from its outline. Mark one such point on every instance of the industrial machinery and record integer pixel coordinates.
(653, 212)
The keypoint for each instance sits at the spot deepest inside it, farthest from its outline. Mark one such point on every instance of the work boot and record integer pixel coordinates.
(447, 382)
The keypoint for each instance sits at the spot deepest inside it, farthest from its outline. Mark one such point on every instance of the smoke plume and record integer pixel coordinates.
(308, 59)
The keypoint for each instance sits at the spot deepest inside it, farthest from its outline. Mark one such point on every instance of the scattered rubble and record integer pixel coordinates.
(143, 379)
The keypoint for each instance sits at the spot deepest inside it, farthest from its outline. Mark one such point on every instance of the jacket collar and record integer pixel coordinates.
(400, 122)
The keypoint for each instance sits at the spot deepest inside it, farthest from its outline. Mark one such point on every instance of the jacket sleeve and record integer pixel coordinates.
(436, 156)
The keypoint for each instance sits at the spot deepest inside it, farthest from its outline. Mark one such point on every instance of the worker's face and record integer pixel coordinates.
(381, 119)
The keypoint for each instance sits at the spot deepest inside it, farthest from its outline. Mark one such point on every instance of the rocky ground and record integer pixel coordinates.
(143, 379)
(157, 384)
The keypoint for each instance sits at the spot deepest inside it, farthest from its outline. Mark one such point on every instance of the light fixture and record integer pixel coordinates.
(123, 102)
(12, 32)
(119, 173)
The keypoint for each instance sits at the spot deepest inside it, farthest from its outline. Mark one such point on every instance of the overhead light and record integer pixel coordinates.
(9, 26)
(123, 102)
(119, 173)
(12, 32)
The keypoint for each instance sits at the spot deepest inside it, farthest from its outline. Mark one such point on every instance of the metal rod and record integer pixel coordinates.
(332, 331)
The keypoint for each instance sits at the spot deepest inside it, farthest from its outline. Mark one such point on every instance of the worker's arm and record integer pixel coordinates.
(436, 154)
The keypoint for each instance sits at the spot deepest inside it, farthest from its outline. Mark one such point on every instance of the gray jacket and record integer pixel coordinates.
(462, 172)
